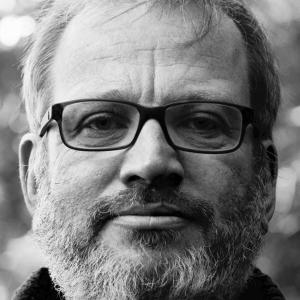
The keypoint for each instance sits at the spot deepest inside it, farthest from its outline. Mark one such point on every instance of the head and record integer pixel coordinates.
(150, 219)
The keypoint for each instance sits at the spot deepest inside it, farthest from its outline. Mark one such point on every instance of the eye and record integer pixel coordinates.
(104, 121)
(203, 123)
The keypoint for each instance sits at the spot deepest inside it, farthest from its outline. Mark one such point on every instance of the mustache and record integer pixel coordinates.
(192, 208)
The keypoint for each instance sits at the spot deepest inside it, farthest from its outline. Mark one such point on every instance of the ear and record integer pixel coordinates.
(272, 165)
(27, 150)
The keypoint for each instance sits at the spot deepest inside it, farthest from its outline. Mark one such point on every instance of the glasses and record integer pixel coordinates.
(105, 125)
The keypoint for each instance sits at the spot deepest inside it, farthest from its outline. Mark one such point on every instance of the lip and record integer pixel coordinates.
(150, 222)
(153, 209)
(151, 216)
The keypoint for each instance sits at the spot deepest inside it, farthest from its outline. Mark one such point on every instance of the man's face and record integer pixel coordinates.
(150, 58)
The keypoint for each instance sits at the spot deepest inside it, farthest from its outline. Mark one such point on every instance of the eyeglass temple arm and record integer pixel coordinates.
(46, 120)
(250, 119)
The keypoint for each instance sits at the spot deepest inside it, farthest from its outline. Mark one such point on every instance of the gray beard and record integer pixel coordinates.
(83, 268)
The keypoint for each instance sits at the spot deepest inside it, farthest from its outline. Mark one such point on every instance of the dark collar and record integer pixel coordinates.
(40, 287)
(261, 287)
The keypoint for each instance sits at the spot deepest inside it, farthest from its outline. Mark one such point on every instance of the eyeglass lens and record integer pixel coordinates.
(107, 124)
(204, 126)
(97, 124)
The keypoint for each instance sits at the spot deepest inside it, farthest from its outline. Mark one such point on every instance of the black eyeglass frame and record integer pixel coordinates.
(55, 113)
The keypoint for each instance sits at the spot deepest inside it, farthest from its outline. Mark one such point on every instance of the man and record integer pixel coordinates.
(149, 169)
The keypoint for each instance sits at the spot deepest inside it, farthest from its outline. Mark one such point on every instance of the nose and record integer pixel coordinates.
(152, 160)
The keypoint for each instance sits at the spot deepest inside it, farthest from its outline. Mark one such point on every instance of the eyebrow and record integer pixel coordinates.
(114, 95)
(169, 98)
(198, 96)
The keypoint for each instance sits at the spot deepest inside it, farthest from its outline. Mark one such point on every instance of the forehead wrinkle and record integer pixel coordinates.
(168, 52)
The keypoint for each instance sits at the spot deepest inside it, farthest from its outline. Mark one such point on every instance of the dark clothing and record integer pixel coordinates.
(40, 287)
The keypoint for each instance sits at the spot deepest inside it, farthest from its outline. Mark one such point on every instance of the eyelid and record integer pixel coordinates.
(84, 118)
(116, 116)
(208, 114)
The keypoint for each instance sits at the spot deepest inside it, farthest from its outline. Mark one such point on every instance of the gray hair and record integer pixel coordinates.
(56, 15)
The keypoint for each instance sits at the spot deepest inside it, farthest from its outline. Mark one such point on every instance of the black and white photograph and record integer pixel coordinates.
(149, 149)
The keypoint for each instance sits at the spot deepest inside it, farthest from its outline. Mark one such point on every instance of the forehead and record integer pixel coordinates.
(146, 53)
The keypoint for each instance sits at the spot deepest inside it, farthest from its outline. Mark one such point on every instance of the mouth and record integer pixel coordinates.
(154, 216)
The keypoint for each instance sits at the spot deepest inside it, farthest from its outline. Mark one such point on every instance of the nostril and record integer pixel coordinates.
(172, 180)
(134, 179)
(161, 181)
(175, 179)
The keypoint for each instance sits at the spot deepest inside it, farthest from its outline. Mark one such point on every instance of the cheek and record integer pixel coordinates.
(219, 177)
(81, 177)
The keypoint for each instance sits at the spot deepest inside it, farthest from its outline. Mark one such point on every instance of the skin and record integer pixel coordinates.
(152, 60)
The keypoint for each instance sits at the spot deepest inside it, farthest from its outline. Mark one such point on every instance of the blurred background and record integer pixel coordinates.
(281, 255)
